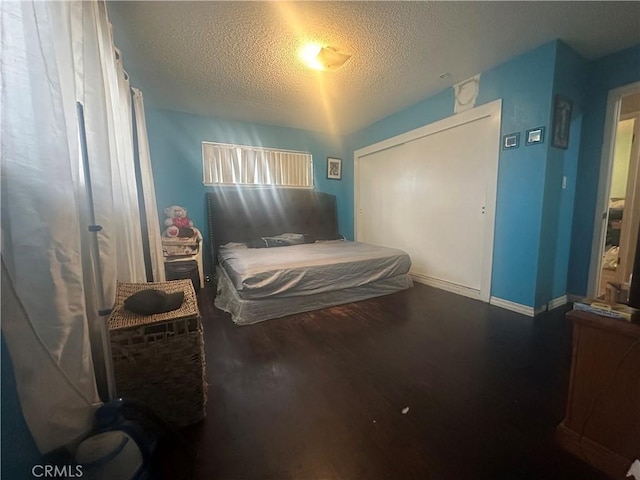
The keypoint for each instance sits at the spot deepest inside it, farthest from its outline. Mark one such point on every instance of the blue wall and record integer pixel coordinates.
(525, 85)
(555, 238)
(175, 141)
(610, 72)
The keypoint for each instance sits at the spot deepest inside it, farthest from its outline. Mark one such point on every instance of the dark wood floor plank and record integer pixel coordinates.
(320, 395)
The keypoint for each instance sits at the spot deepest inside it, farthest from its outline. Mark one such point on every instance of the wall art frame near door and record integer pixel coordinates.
(334, 168)
(562, 108)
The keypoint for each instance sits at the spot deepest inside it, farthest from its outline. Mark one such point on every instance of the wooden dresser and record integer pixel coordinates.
(602, 421)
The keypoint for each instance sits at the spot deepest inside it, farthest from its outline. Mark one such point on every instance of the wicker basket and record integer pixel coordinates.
(159, 359)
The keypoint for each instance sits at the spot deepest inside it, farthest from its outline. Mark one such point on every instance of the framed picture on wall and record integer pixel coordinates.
(334, 168)
(535, 135)
(561, 122)
(511, 140)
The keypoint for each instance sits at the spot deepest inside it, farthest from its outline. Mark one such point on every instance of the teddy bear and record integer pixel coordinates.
(177, 222)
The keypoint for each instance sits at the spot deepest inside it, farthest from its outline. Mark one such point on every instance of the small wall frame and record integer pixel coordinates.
(334, 168)
(510, 141)
(534, 136)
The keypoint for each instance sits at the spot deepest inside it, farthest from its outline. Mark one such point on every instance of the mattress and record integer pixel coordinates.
(247, 312)
(308, 269)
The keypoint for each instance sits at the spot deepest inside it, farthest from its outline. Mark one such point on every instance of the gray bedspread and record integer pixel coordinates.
(309, 268)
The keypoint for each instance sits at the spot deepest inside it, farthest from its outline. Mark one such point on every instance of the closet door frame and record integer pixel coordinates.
(492, 109)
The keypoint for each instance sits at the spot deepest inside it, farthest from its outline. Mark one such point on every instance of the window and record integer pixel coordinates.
(225, 164)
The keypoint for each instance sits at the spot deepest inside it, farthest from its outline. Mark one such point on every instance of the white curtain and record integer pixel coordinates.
(150, 205)
(107, 105)
(56, 286)
(43, 301)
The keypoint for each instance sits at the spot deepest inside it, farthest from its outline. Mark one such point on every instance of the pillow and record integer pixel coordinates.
(325, 237)
(234, 245)
(282, 240)
(151, 301)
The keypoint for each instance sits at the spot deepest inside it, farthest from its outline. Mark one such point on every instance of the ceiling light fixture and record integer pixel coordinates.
(331, 59)
(323, 58)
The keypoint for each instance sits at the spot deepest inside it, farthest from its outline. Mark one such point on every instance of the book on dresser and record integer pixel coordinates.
(607, 309)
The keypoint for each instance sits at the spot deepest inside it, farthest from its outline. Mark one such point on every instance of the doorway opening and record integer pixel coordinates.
(621, 212)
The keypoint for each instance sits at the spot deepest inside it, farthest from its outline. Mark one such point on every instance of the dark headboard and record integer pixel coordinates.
(243, 214)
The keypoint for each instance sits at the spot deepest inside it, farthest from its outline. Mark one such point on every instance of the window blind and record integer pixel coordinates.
(225, 164)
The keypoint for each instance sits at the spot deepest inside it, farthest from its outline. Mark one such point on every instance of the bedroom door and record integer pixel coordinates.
(431, 192)
(615, 229)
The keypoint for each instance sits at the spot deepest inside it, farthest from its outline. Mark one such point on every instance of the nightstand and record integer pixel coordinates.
(183, 258)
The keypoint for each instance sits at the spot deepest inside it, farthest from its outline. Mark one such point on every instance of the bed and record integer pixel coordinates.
(277, 252)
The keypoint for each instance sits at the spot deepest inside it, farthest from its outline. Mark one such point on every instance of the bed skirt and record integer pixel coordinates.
(247, 312)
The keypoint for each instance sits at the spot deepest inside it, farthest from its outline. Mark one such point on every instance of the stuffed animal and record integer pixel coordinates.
(177, 222)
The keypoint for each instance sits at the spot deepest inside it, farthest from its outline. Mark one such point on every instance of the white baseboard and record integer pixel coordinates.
(448, 286)
(526, 310)
(540, 309)
(514, 307)
(557, 302)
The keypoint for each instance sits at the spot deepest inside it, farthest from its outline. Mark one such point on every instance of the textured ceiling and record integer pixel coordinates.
(239, 60)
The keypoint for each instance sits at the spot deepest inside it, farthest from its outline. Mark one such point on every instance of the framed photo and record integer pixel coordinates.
(511, 140)
(535, 135)
(561, 122)
(334, 168)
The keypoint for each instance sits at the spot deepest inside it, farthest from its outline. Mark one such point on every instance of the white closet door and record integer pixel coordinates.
(382, 200)
(432, 194)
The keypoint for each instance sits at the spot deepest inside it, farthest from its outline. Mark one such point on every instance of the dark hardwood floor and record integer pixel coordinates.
(321, 395)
